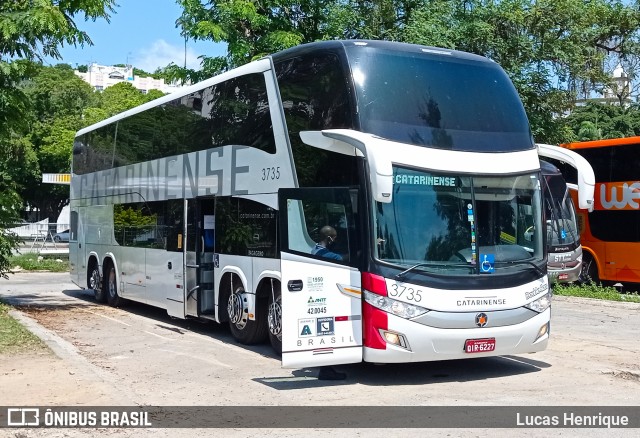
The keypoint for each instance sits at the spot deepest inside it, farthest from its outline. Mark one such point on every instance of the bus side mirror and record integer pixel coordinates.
(355, 143)
(586, 179)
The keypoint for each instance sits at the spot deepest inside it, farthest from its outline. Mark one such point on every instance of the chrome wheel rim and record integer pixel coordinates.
(112, 284)
(274, 319)
(236, 309)
(94, 280)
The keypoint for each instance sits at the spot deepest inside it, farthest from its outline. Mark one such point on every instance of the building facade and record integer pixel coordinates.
(103, 76)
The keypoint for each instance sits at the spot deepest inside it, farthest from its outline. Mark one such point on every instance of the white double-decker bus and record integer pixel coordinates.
(348, 200)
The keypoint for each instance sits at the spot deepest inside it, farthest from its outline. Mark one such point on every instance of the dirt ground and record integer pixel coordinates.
(101, 356)
(64, 382)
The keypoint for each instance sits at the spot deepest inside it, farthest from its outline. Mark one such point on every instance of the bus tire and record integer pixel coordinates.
(94, 282)
(274, 318)
(243, 329)
(589, 270)
(111, 286)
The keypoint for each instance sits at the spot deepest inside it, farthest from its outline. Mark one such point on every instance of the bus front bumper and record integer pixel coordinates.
(424, 343)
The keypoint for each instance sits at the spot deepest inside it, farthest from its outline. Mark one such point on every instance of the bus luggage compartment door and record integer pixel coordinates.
(321, 313)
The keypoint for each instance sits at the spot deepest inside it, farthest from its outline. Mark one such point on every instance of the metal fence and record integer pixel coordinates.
(42, 237)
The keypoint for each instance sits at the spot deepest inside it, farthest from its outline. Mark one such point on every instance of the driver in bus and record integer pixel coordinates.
(328, 236)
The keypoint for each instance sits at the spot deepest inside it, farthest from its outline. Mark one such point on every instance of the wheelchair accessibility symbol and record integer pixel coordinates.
(487, 263)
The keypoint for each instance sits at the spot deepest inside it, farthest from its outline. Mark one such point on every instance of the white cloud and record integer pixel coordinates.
(161, 54)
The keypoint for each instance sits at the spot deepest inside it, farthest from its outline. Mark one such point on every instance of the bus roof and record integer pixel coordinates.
(264, 63)
(601, 143)
(375, 44)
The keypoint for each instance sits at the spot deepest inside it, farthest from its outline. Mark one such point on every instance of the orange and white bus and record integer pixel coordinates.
(610, 234)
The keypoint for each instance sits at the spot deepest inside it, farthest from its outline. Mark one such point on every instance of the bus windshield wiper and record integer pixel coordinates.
(432, 264)
(520, 262)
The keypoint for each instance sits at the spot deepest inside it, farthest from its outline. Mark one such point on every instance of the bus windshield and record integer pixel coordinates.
(437, 101)
(561, 219)
(460, 225)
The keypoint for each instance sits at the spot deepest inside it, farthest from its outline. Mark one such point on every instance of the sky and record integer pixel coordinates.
(141, 33)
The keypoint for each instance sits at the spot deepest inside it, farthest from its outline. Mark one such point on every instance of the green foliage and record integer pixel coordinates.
(57, 99)
(8, 243)
(10, 201)
(550, 48)
(13, 336)
(588, 131)
(36, 262)
(595, 121)
(123, 216)
(153, 94)
(130, 223)
(121, 97)
(252, 29)
(592, 290)
(57, 91)
(93, 115)
(30, 30)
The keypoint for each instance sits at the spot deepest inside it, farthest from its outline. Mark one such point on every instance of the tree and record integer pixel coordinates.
(254, 28)
(120, 97)
(30, 30)
(588, 131)
(57, 100)
(595, 121)
(551, 49)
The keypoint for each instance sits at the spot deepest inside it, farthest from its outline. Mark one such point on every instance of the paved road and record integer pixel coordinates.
(148, 358)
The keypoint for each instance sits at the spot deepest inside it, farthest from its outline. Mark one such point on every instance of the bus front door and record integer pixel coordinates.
(199, 257)
(321, 295)
(77, 258)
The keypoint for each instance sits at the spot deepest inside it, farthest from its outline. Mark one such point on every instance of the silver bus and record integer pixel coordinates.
(413, 166)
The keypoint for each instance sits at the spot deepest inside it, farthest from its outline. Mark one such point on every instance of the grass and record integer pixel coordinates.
(36, 262)
(14, 338)
(592, 290)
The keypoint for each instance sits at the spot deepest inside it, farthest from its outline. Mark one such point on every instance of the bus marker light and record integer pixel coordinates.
(395, 339)
(543, 331)
(347, 318)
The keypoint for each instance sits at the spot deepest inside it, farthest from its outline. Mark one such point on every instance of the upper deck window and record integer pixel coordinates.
(437, 100)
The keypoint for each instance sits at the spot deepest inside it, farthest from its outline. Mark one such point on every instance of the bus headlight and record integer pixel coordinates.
(541, 304)
(395, 307)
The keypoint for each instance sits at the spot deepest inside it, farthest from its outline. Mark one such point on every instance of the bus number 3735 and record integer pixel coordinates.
(270, 173)
(411, 293)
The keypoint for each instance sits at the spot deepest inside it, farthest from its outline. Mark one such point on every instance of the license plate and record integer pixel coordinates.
(479, 345)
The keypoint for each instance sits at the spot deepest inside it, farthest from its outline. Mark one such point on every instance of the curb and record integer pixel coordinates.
(78, 364)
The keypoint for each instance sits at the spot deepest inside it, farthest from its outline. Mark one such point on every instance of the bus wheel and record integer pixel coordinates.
(274, 317)
(112, 287)
(95, 282)
(589, 270)
(243, 329)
